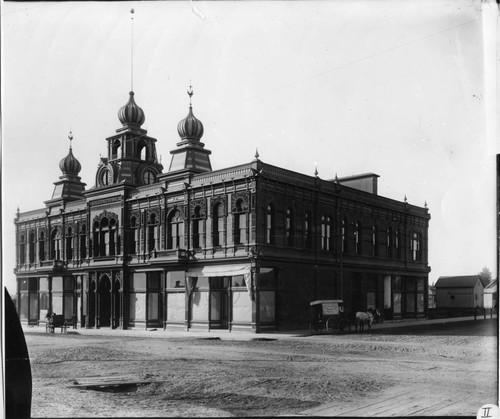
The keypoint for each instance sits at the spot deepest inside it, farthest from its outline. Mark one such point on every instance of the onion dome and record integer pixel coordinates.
(70, 165)
(190, 127)
(131, 113)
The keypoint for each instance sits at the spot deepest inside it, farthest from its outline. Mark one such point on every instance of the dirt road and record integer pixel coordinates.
(207, 377)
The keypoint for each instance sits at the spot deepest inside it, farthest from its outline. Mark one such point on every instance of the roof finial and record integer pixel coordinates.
(132, 11)
(315, 169)
(70, 136)
(257, 154)
(406, 199)
(190, 92)
(336, 180)
(425, 204)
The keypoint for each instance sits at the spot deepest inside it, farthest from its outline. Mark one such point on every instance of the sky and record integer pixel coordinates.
(401, 89)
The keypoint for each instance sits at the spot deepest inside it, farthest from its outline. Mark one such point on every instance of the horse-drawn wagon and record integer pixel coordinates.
(329, 315)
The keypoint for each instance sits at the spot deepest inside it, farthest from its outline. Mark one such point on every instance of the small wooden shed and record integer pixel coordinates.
(459, 292)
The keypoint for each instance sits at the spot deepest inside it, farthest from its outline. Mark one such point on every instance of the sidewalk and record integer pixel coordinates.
(241, 336)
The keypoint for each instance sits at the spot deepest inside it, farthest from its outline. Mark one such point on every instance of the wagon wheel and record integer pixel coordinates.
(344, 325)
(332, 325)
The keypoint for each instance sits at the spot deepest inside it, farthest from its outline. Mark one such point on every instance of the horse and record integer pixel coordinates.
(368, 317)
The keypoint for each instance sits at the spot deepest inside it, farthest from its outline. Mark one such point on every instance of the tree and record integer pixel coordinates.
(485, 276)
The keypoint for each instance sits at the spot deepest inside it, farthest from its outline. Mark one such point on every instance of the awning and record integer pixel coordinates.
(220, 270)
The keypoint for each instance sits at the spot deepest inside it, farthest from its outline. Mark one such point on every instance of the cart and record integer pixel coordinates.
(329, 315)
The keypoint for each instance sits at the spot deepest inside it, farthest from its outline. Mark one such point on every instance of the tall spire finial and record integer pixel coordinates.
(316, 169)
(190, 92)
(132, 11)
(257, 154)
(70, 136)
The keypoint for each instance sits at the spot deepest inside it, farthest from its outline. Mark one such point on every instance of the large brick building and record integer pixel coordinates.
(241, 248)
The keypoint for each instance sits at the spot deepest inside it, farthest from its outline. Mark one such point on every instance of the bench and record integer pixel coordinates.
(56, 320)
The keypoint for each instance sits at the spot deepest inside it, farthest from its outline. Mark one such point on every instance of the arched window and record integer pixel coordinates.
(175, 230)
(133, 235)
(112, 237)
(152, 228)
(345, 240)
(115, 151)
(22, 249)
(41, 246)
(197, 228)
(69, 244)
(270, 236)
(104, 237)
(416, 247)
(240, 223)
(374, 241)
(31, 247)
(83, 242)
(218, 225)
(95, 239)
(290, 227)
(397, 243)
(307, 231)
(389, 242)
(358, 238)
(142, 150)
(325, 233)
(56, 245)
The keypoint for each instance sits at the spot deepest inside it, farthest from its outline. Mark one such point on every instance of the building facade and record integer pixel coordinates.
(241, 248)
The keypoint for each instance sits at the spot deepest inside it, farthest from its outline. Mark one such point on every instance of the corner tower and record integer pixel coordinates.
(69, 187)
(131, 153)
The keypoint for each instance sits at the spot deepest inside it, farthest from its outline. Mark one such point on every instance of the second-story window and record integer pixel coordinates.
(397, 243)
(415, 247)
(31, 247)
(345, 241)
(358, 238)
(197, 228)
(56, 245)
(41, 246)
(289, 227)
(325, 233)
(22, 249)
(374, 241)
(152, 228)
(175, 230)
(388, 242)
(134, 235)
(307, 231)
(240, 223)
(69, 244)
(112, 237)
(270, 225)
(83, 241)
(218, 225)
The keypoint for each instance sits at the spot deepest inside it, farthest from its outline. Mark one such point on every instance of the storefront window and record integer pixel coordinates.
(267, 306)
(238, 281)
(57, 283)
(420, 303)
(397, 303)
(176, 279)
(266, 280)
(139, 281)
(44, 284)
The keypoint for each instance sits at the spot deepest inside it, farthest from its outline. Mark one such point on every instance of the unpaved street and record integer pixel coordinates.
(212, 377)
